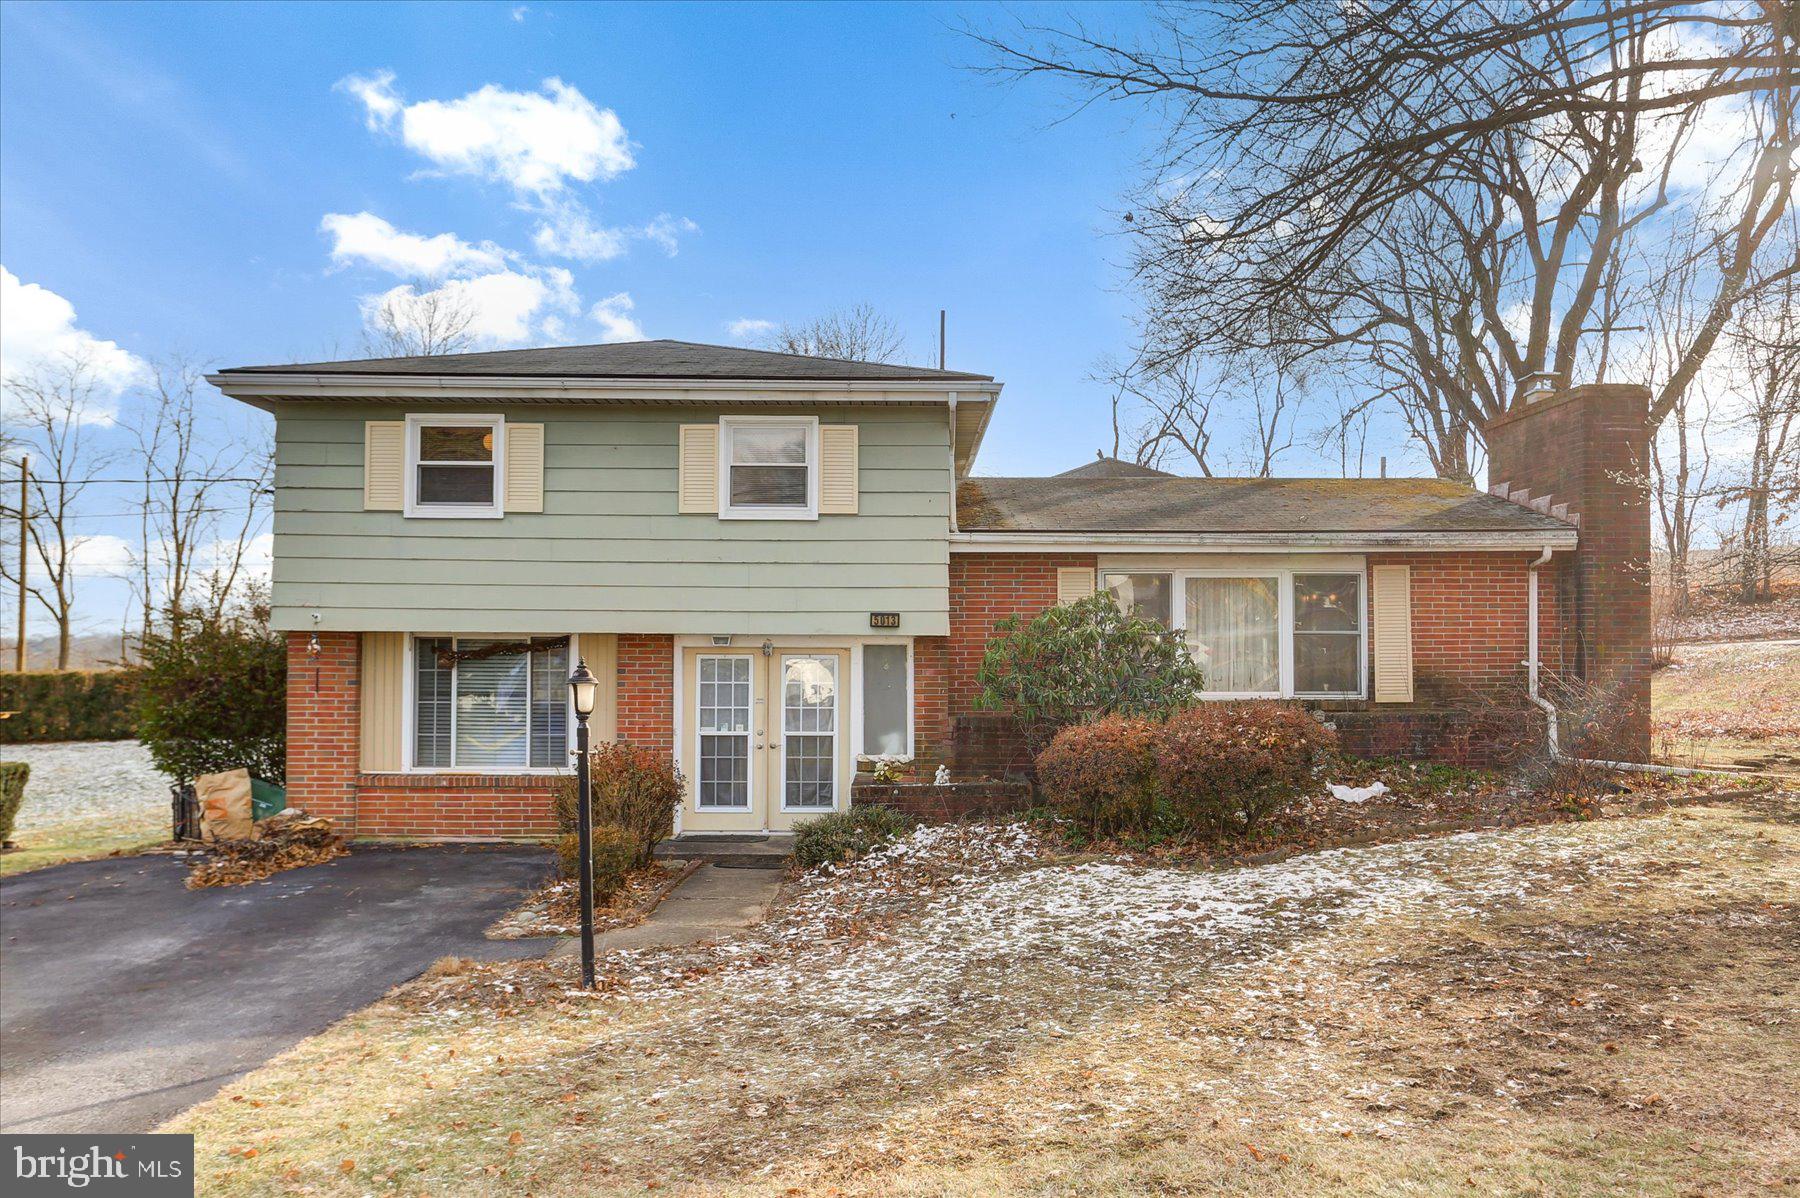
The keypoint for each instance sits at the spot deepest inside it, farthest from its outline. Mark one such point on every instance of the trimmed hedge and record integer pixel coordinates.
(1217, 768)
(13, 776)
(69, 705)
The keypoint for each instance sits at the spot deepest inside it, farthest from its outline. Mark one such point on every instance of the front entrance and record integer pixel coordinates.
(765, 737)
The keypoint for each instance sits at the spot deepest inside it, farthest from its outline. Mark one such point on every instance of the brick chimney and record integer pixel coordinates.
(1587, 449)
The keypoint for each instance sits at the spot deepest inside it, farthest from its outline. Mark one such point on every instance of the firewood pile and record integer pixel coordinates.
(286, 840)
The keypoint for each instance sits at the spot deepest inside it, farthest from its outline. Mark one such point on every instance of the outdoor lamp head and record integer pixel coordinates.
(585, 687)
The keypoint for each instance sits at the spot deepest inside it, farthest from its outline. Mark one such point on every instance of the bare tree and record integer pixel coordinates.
(1768, 340)
(415, 324)
(201, 503)
(1433, 197)
(50, 412)
(1237, 415)
(855, 334)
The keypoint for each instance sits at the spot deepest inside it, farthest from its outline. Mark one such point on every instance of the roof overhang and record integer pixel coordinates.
(1521, 541)
(975, 399)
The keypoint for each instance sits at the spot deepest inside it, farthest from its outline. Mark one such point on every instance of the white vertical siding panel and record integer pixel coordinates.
(381, 688)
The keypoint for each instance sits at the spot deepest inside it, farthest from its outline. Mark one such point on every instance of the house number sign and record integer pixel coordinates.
(884, 619)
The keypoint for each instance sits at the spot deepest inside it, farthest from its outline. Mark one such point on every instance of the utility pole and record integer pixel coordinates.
(940, 338)
(24, 536)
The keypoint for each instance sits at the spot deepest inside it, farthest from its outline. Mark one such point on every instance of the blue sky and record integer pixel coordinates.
(167, 169)
(235, 181)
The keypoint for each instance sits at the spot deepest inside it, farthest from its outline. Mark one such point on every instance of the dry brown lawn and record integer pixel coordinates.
(1594, 1008)
(1734, 705)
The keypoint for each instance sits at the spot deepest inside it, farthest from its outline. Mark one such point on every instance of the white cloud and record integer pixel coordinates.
(39, 329)
(613, 315)
(365, 237)
(569, 231)
(381, 103)
(537, 143)
(101, 554)
(506, 307)
(666, 230)
(747, 329)
(519, 11)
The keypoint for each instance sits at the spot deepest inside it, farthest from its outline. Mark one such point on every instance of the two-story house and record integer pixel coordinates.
(782, 567)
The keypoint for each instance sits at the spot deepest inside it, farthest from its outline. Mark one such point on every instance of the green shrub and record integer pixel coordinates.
(1227, 766)
(1103, 775)
(613, 850)
(69, 705)
(1085, 659)
(214, 695)
(844, 836)
(13, 776)
(634, 787)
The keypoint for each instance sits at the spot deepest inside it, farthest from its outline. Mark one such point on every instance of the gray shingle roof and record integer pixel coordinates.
(1114, 468)
(631, 360)
(1229, 505)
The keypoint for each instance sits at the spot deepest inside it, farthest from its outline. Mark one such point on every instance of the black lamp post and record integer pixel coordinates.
(584, 687)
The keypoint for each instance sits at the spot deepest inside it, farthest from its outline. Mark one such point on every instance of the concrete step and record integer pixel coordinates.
(730, 850)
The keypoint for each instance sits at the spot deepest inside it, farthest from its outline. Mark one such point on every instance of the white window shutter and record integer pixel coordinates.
(1391, 590)
(384, 465)
(524, 467)
(1073, 582)
(837, 470)
(697, 484)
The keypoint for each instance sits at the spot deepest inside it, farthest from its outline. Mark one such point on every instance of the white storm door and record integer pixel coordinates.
(723, 704)
(809, 690)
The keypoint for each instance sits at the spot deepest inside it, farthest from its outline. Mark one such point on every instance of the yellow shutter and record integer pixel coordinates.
(524, 467)
(837, 470)
(697, 487)
(382, 696)
(601, 652)
(1073, 582)
(1391, 590)
(384, 465)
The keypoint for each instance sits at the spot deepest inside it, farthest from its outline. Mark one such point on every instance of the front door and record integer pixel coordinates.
(766, 737)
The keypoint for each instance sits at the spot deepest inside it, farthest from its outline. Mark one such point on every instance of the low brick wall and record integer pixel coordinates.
(461, 806)
(1491, 740)
(946, 804)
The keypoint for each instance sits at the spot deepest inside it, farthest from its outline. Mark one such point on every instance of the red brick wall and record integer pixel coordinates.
(323, 724)
(324, 727)
(459, 805)
(1469, 621)
(647, 690)
(985, 588)
(1589, 448)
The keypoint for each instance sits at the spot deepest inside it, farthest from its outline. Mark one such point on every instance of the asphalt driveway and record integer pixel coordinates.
(125, 997)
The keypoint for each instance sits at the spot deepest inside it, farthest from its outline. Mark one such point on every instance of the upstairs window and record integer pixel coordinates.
(453, 465)
(770, 468)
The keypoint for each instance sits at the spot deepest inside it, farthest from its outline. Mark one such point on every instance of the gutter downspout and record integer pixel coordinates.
(1549, 708)
(953, 528)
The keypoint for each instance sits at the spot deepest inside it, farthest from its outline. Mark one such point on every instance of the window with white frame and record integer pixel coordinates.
(1269, 634)
(769, 467)
(453, 465)
(487, 704)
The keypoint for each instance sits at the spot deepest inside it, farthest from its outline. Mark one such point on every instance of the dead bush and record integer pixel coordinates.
(614, 852)
(1102, 775)
(1225, 767)
(634, 788)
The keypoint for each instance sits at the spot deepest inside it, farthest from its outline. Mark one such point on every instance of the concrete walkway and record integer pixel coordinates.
(714, 902)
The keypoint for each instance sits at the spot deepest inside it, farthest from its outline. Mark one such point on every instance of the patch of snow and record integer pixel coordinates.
(1356, 794)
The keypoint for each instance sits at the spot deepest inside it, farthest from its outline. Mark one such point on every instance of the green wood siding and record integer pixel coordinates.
(609, 553)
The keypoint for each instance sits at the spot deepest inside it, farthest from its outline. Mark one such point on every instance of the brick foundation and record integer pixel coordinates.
(946, 804)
